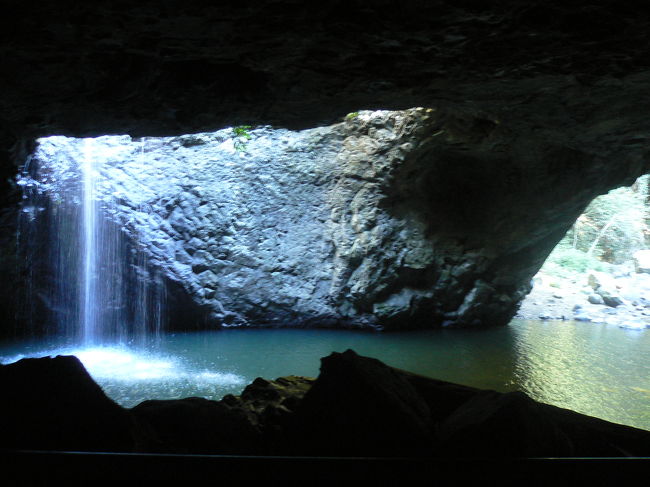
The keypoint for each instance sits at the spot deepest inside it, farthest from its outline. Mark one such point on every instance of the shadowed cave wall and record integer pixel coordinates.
(531, 116)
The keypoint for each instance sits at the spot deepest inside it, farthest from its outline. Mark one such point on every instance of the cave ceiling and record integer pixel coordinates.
(169, 67)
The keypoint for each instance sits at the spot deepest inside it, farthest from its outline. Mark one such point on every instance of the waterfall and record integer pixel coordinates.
(90, 279)
(89, 300)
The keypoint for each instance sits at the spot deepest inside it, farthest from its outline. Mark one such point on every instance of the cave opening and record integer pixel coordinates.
(429, 223)
(599, 271)
(174, 266)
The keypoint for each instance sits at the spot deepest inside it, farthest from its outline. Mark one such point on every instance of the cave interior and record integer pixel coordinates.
(514, 116)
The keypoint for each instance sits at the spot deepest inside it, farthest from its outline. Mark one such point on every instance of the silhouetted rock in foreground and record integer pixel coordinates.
(251, 424)
(54, 404)
(358, 406)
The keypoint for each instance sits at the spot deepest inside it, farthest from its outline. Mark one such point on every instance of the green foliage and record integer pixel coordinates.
(242, 131)
(241, 136)
(352, 115)
(609, 231)
(614, 225)
(566, 261)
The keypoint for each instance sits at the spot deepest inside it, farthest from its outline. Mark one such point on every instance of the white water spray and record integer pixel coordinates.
(100, 286)
(88, 299)
(93, 286)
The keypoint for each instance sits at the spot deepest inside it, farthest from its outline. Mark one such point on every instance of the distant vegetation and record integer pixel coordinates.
(611, 229)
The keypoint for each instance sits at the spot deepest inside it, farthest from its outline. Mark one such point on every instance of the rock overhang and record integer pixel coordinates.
(536, 108)
(182, 67)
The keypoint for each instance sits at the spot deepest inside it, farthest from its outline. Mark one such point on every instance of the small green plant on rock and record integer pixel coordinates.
(352, 115)
(241, 136)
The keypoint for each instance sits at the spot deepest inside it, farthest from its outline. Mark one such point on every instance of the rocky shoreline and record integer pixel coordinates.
(621, 298)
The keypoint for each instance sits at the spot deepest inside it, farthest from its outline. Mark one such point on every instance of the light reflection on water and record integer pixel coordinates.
(602, 371)
(599, 370)
(130, 376)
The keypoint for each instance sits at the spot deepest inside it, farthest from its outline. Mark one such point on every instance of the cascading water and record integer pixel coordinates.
(89, 298)
(94, 285)
(92, 290)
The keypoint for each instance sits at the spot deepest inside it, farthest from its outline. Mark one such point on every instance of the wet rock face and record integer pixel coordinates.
(528, 128)
(405, 219)
(243, 233)
(292, 229)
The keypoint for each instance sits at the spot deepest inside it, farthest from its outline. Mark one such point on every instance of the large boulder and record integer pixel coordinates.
(254, 423)
(606, 287)
(358, 406)
(495, 425)
(195, 425)
(54, 404)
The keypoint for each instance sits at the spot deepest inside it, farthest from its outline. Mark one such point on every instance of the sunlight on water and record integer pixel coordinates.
(123, 364)
(128, 375)
(598, 370)
(592, 369)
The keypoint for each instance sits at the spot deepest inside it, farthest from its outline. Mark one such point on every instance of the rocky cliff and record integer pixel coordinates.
(323, 227)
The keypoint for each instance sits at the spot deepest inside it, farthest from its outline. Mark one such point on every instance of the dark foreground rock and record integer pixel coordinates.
(358, 407)
(251, 424)
(54, 404)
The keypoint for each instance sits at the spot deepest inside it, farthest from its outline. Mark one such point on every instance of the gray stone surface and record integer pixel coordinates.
(398, 219)
(323, 227)
(288, 231)
(627, 304)
(242, 232)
